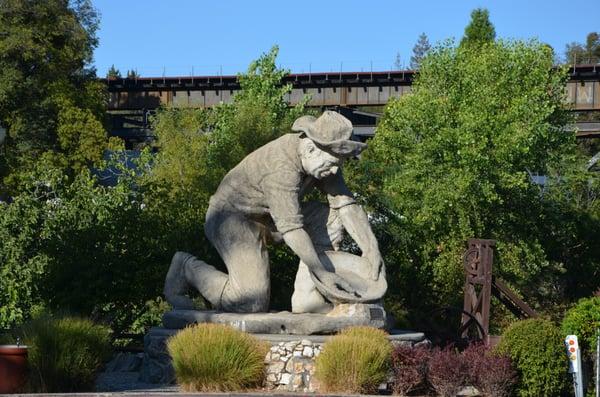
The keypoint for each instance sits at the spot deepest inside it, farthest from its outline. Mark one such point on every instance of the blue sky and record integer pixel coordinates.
(176, 37)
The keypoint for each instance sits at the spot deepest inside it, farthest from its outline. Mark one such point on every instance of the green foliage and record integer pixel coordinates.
(452, 160)
(22, 263)
(48, 95)
(69, 243)
(480, 30)
(536, 348)
(65, 353)
(151, 316)
(113, 73)
(132, 74)
(79, 246)
(215, 357)
(583, 320)
(589, 52)
(355, 361)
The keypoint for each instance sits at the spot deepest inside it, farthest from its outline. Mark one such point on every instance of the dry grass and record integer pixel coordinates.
(355, 361)
(215, 357)
(65, 353)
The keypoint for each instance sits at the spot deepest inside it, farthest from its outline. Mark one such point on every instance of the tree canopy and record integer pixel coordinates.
(480, 29)
(454, 159)
(419, 51)
(50, 101)
(588, 52)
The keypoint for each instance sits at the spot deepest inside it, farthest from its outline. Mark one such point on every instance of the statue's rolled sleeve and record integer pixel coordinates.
(281, 191)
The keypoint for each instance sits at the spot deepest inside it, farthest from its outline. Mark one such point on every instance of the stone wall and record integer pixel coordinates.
(290, 366)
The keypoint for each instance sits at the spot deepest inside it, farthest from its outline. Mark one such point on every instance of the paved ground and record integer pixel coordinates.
(128, 382)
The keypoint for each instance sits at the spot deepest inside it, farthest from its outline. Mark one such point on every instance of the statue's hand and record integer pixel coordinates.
(334, 281)
(376, 262)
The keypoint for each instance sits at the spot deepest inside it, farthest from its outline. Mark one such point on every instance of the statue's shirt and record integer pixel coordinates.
(271, 181)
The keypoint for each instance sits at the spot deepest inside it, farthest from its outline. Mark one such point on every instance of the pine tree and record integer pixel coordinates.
(132, 74)
(480, 30)
(113, 73)
(419, 51)
(398, 62)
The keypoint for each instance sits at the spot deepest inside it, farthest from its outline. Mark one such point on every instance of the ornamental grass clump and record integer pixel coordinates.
(216, 357)
(65, 353)
(355, 361)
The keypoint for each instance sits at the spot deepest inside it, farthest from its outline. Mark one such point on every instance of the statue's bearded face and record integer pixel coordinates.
(317, 162)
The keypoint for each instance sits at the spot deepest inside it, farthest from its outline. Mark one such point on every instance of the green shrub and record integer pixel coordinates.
(583, 320)
(65, 353)
(355, 361)
(536, 349)
(215, 357)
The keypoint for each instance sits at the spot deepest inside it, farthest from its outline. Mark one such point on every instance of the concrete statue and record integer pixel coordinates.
(260, 201)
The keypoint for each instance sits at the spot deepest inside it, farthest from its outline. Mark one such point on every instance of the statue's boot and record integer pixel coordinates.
(187, 271)
(175, 283)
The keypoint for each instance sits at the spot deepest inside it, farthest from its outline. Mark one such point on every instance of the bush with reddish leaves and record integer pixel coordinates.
(447, 371)
(491, 373)
(409, 366)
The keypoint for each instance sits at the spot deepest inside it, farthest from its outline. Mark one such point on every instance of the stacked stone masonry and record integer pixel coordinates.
(290, 366)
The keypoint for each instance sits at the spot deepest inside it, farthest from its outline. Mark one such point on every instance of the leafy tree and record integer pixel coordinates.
(419, 51)
(480, 29)
(46, 82)
(113, 73)
(452, 161)
(584, 53)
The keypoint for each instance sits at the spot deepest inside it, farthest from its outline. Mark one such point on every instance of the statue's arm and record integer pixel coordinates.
(357, 225)
(299, 241)
(354, 219)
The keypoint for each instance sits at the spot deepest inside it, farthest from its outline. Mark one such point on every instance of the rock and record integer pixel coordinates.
(290, 346)
(272, 378)
(297, 381)
(308, 351)
(125, 362)
(275, 356)
(289, 366)
(468, 391)
(285, 379)
(275, 367)
(274, 349)
(298, 367)
(297, 354)
(305, 342)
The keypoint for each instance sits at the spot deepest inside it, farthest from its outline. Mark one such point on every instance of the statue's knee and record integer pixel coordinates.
(253, 299)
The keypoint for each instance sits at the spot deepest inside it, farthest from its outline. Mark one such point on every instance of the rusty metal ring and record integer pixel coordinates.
(471, 261)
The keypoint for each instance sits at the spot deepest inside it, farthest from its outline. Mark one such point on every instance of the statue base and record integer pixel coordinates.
(295, 340)
(289, 364)
(342, 316)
